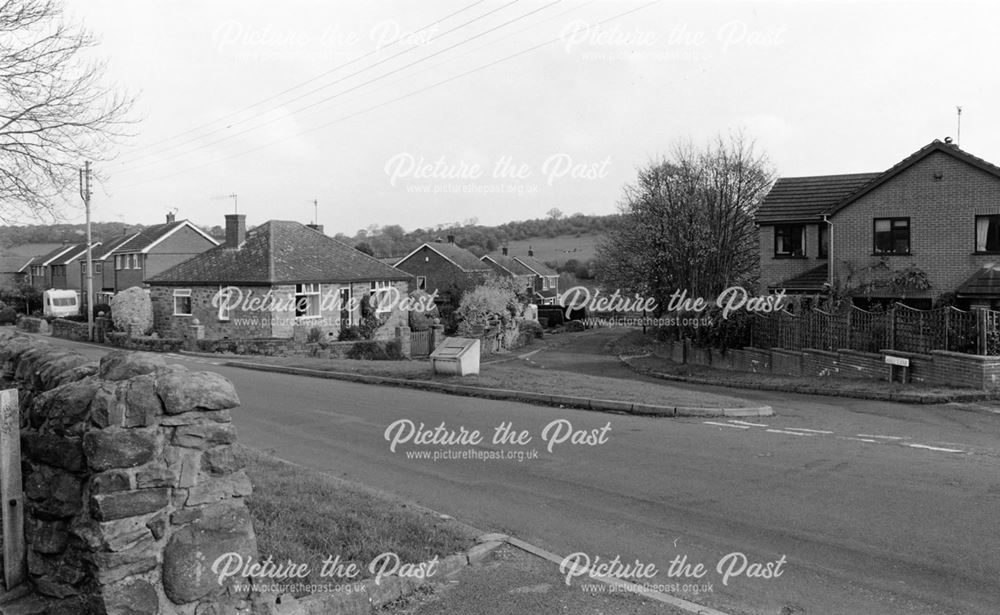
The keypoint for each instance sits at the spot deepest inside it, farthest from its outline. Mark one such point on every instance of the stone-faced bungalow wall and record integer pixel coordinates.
(132, 485)
(250, 324)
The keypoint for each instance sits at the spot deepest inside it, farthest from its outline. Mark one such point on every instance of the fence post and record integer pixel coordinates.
(947, 326)
(981, 325)
(11, 496)
(892, 328)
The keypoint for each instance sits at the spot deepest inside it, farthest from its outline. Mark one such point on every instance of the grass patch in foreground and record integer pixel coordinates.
(305, 516)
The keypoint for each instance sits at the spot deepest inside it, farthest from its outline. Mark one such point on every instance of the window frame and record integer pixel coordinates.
(312, 296)
(379, 287)
(422, 282)
(821, 230)
(892, 237)
(183, 293)
(803, 247)
(975, 230)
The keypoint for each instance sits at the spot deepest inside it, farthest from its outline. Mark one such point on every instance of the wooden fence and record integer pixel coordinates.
(901, 328)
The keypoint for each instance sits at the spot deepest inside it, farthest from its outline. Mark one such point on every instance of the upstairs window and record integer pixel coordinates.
(892, 235)
(789, 240)
(988, 234)
(824, 241)
(307, 300)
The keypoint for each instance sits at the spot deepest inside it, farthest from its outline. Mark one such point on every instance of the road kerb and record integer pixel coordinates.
(586, 403)
(673, 601)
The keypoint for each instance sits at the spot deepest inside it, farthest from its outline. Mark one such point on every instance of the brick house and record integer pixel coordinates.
(53, 270)
(934, 217)
(445, 268)
(546, 280)
(104, 271)
(12, 271)
(286, 275)
(153, 250)
(507, 265)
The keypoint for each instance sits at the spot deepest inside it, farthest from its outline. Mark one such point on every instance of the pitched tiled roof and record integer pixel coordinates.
(985, 282)
(51, 257)
(107, 248)
(537, 266)
(78, 251)
(151, 235)
(10, 263)
(462, 258)
(813, 280)
(925, 151)
(32, 249)
(798, 199)
(509, 263)
(280, 252)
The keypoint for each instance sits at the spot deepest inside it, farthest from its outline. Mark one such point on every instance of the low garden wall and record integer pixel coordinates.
(143, 342)
(71, 330)
(937, 368)
(132, 485)
(33, 325)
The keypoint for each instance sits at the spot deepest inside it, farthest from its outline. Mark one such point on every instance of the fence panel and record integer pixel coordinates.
(420, 343)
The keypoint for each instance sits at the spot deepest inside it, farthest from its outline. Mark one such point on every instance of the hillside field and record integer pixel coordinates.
(557, 249)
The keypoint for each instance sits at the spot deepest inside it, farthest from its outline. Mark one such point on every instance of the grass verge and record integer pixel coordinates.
(304, 516)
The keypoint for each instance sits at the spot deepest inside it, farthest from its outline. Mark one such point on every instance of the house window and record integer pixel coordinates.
(307, 300)
(224, 304)
(345, 307)
(988, 234)
(788, 240)
(182, 302)
(135, 261)
(892, 235)
(98, 268)
(422, 282)
(824, 241)
(119, 259)
(379, 296)
(59, 270)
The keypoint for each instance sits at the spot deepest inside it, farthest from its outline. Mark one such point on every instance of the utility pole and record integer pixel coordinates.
(85, 195)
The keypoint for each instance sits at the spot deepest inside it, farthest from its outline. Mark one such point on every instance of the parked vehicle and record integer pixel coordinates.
(60, 303)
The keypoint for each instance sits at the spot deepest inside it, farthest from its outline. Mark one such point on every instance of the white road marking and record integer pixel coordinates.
(789, 433)
(725, 425)
(936, 448)
(808, 430)
(868, 435)
(869, 440)
(748, 424)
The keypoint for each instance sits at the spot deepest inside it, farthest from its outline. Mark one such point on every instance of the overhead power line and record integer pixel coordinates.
(396, 99)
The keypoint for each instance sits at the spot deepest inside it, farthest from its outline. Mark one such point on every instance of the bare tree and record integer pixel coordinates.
(687, 223)
(55, 112)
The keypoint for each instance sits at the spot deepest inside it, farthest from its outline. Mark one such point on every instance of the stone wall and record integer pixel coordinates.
(132, 485)
(33, 325)
(70, 330)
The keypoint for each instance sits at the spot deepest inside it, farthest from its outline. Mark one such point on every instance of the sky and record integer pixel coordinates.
(429, 113)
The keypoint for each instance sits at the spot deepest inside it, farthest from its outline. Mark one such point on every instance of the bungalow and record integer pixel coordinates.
(154, 250)
(265, 282)
(925, 229)
(444, 268)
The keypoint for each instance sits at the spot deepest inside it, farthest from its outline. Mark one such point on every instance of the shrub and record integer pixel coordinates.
(315, 335)
(533, 328)
(368, 351)
(7, 315)
(132, 304)
(348, 334)
(574, 326)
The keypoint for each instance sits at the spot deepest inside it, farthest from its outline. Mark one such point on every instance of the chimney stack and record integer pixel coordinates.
(236, 230)
(451, 239)
(316, 227)
(170, 217)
